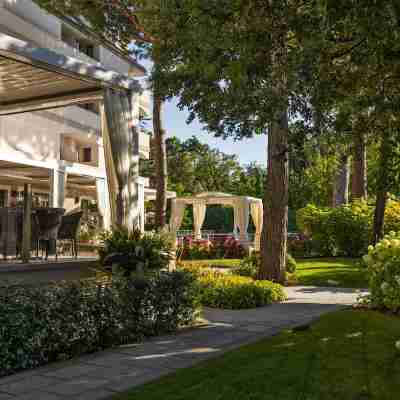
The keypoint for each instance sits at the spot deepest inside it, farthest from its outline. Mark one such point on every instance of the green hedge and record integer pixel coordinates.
(42, 324)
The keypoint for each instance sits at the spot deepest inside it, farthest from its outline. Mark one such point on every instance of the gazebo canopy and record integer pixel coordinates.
(243, 207)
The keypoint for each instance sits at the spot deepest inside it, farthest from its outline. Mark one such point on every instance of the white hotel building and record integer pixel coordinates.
(65, 145)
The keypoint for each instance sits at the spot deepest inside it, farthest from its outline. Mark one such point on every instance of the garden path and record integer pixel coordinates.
(104, 374)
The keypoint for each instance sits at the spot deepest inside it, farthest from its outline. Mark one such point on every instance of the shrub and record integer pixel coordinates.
(249, 266)
(59, 321)
(237, 292)
(300, 245)
(343, 230)
(291, 264)
(206, 250)
(141, 251)
(383, 263)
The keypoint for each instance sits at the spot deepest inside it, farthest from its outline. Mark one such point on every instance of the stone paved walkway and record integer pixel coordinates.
(102, 375)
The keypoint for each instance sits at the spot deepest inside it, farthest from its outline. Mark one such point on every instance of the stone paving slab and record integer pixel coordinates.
(101, 375)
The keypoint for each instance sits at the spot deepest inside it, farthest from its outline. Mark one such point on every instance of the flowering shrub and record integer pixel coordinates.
(383, 262)
(237, 292)
(206, 249)
(59, 321)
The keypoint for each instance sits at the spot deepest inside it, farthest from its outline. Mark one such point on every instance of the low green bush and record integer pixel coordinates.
(54, 322)
(237, 292)
(249, 266)
(142, 251)
(383, 263)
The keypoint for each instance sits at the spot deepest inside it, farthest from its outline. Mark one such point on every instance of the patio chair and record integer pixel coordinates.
(69, 230)
(48, 221)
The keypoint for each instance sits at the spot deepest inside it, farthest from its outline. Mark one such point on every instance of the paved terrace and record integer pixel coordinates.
(102, 375)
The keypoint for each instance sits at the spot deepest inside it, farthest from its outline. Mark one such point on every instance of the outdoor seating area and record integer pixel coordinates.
(52, 232)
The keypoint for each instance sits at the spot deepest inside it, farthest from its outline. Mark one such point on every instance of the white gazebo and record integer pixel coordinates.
(243, 207)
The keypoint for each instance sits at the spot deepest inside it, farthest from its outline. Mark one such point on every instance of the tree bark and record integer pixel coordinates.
(276, 196)
(359, 170)
(160, 163)
(342, 180)
(385, 156)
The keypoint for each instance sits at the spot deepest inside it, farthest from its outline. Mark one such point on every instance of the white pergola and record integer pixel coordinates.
(243, 207)
(33, 79)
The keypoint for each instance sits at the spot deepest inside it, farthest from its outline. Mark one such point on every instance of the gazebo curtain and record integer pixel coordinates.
(241, 217)
(256, 210)
(122, 157)
(199, 214)
(177, 214)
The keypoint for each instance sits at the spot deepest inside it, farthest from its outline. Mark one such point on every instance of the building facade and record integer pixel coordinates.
(60, 151)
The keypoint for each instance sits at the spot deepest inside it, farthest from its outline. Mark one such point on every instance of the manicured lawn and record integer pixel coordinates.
(220, 263)
(347, 355)
(341, 272)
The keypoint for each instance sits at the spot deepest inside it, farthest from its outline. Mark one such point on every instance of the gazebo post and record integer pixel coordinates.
(26, 235)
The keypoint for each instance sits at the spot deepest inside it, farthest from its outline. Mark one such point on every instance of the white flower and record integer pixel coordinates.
(397, 344)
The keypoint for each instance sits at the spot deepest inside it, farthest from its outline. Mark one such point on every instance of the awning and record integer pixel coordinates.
(34, 78)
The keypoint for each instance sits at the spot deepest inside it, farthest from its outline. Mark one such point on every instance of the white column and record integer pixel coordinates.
(58, 180)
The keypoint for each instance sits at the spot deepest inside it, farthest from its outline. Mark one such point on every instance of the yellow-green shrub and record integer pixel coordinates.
(237, 292)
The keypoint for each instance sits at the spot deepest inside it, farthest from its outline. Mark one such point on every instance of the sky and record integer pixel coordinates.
(247, 150)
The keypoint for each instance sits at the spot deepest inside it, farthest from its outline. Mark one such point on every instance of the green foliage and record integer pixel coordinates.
(343, 230)
(249, 266)
(237, 292)
(144, 251)
(383, 262)
(43, 324)
(291, 264)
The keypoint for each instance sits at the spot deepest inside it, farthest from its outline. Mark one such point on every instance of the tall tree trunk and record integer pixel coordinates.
(359, 170)
(385, 156)
(342, 180)
(276, 196)
(160, 163)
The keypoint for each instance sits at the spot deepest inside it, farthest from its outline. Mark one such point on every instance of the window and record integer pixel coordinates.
(87, 154)
(3, 198)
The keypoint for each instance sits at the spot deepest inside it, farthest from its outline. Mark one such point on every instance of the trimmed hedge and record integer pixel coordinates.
(43, 324)
(237, 292)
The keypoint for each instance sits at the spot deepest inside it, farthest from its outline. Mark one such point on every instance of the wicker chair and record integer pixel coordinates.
(69, 230)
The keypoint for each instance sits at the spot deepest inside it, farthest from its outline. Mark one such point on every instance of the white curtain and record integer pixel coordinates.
(199, 214)
(102, 202)
(122, 154)
(241, 217)
(256, 210)
(177, 214)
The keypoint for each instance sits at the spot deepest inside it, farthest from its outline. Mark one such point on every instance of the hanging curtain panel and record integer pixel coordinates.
(121, 144)
(199, 214)
(177, 214)
(256, 210)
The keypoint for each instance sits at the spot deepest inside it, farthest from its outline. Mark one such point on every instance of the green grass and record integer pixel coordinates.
(217, 263)
(340, 272)
(347, 355)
